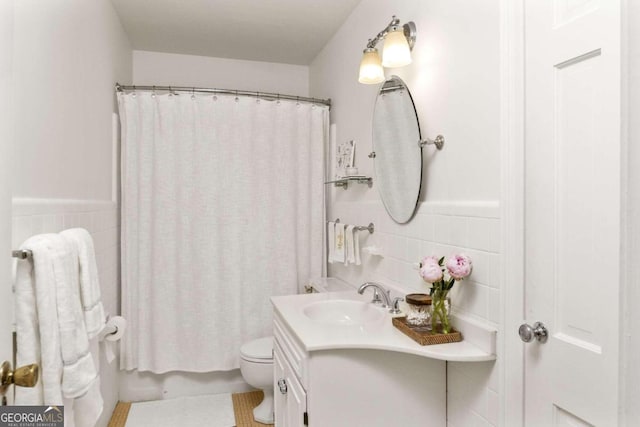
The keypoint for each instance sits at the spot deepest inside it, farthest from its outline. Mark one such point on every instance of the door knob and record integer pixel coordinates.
(538, 331)
(282, 385)
(25, 376)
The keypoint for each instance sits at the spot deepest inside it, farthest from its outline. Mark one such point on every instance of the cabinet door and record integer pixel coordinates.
(290, 402)
(279, 399)
(296, 399)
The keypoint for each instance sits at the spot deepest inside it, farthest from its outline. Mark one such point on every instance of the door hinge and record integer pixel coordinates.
(305, 419)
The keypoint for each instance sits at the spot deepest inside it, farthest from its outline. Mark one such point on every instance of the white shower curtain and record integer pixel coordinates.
(222, 208)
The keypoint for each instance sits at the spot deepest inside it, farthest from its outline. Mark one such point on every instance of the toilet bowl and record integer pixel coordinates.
(256, 357)
(256, 366)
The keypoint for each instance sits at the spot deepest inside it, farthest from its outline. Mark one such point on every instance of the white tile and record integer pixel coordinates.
(495, 235)
(493, 305)
(478, 231)
(482, 268)
(37, 224)
(21, 230)
(494, 372)
(442, 229)
(413, 253)
(70, 220)
(458, 235)
(493, 407)
(427, 227)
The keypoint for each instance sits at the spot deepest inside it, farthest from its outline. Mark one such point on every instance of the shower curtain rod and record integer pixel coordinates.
(264, 95)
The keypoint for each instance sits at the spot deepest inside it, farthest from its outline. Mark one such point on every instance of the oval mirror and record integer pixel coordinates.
(398, 154)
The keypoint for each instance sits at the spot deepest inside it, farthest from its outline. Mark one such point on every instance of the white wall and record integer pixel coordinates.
(630, 374)
(68, 54)
(455, 83)
(154, 68)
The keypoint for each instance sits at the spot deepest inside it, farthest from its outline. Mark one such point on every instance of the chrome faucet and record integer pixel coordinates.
(376, 295)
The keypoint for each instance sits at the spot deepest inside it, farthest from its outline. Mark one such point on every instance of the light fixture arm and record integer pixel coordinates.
(409, 31)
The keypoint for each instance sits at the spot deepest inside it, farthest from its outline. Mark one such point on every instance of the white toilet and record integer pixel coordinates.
(256, 357)
(256, 366)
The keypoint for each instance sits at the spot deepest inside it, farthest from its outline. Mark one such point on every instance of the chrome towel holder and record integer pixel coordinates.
(22, 254)
(370, 228)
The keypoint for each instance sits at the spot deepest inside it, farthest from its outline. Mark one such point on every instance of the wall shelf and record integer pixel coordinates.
(344, 182)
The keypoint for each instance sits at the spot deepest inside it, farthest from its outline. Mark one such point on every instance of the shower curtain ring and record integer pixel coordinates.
(237, 99)
(257, 97)
(153, 93)
(278, 102)
(193, 93)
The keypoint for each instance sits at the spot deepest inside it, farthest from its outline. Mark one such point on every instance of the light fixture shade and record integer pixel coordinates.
(371, 71)
(396, 51)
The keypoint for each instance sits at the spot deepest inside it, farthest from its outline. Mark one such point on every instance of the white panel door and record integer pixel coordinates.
(6, 297)
(572, 202)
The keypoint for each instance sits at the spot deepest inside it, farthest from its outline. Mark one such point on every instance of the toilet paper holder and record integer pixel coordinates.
(108, 330)
(112, 328)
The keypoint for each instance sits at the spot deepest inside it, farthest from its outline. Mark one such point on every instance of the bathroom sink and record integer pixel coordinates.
(343, 312)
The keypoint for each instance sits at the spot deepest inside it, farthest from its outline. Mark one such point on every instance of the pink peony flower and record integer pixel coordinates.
(459, 266)
(430, 271)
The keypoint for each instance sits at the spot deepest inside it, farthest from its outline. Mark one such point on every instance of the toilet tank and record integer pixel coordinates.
(327, 284)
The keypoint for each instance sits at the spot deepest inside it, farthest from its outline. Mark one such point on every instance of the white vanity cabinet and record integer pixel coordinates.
(290, 397)
(353, 387)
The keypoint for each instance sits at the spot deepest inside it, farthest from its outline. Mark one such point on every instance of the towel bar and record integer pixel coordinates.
(370, 228)
(22, 254)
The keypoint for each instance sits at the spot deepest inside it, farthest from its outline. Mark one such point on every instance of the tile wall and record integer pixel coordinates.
(101, 219)
(439, 229)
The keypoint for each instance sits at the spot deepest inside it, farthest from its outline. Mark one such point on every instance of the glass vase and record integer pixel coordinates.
(440, 307)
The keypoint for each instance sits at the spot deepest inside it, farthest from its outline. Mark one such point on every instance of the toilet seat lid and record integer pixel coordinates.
(262, 348)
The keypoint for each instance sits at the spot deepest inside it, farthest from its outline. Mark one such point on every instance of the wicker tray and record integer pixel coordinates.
(422, 335)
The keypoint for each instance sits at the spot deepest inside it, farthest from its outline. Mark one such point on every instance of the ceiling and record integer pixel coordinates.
(286, 31)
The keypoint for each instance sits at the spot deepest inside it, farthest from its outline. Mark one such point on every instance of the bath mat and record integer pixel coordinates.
(243, 404)
(211, 411)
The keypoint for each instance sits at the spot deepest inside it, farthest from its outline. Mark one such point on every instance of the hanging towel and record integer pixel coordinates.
(87, 409)
(79, 372)
(51, 330)
(356, 246)
(94, 317)
(331, 237)
(350, 256)
(339, 252)
(38, 336)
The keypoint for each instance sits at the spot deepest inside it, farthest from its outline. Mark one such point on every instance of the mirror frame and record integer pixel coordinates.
(417, 142)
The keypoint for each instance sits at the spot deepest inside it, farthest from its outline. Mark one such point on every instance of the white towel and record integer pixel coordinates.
(356, 246)
(338, 252)
(350, 256)
(94, 317)
(37, 330)
(79, 372)
(87, 408)
(331, 237)
(51, 331)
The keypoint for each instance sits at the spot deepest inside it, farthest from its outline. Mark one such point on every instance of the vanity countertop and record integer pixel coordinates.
(478, 344)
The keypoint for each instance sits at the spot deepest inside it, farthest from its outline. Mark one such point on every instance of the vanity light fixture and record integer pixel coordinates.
(371, 71)
(398, 43)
